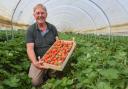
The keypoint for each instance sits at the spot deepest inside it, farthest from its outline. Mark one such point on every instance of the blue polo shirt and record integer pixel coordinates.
(42, 40)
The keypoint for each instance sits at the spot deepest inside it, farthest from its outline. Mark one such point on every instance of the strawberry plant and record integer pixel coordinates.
(96, 63)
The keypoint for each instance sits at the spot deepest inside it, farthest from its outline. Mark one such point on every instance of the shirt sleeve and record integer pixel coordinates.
(29, 35)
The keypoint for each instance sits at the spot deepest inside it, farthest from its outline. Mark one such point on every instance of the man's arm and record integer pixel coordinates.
(31, 53)
(32, 56)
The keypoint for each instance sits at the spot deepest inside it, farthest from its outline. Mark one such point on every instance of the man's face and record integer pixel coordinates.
(40, 15)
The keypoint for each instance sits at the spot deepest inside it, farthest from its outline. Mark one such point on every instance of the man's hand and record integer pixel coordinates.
(39, 64)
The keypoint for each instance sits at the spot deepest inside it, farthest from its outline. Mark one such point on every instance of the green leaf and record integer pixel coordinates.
(1, 87)
(109, 73)
(33, 88)
(103, 85)
(64, 81)
(56, 84)
(79, 85)
(17, 67)
(4, 73)
(69, 82)
(112, 62)
(92, 76)
(127, 87)
(12, 82)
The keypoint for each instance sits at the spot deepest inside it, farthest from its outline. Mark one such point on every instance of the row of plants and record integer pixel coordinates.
(14, 65)
(96, 63)
(6, 35)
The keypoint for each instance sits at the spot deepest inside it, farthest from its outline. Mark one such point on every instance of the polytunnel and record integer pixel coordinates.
(83, 44)
(83, 16)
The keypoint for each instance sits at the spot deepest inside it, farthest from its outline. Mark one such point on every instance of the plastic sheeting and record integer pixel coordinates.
(83, 16)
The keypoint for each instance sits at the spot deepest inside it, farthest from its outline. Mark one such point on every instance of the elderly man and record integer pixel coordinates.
(39, 38)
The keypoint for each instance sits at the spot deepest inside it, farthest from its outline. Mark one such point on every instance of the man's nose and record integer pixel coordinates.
(40, 14)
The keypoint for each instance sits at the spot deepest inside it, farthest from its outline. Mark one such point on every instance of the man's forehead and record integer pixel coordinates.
(39, 9)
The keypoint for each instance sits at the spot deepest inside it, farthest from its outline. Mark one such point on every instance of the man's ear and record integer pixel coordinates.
(33, 14)
(46, 14)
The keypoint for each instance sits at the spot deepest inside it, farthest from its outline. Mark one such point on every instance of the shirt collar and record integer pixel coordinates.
(48, 26)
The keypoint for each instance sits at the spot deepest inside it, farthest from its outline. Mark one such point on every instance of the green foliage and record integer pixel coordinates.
(64, 83)
(14, 64)
(109, 73)
(97, 63)
(12, 82)
(103, 85)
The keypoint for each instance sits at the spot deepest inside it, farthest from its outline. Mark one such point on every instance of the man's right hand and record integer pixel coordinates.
(38, 64)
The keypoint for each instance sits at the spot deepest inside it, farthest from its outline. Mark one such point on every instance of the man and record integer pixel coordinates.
(40, 37)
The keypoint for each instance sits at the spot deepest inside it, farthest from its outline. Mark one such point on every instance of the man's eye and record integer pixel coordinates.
(39, 13)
